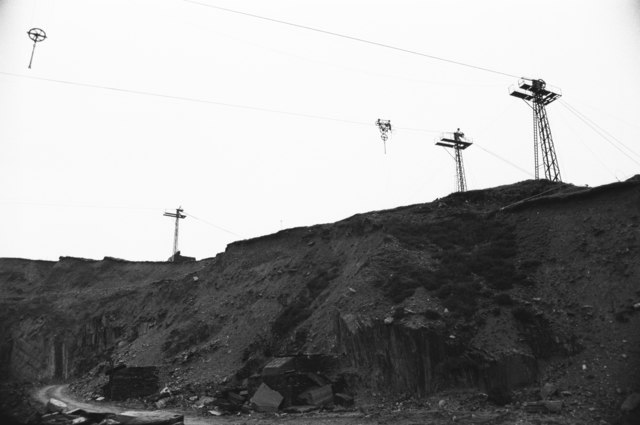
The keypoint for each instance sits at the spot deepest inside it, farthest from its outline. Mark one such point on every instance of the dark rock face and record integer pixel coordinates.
(392, 358)
(420, 359)
(131, 382)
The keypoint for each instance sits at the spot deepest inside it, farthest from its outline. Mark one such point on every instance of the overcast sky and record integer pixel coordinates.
(88, 171)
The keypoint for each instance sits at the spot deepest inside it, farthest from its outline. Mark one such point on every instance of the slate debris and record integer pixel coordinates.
(292, 384)
(131, 382)
(83, 417)
(318, 396)
(279, 366)
(544, 406)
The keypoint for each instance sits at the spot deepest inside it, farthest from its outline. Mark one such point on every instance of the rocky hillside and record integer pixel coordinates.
(491, 289)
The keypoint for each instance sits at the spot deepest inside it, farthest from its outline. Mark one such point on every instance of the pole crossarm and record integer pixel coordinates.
(458, 142)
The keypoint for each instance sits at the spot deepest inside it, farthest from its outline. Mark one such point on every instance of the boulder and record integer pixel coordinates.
(317, 396)
(548, 390)
(266, 400)
(631, 403)
(203, 401)
(279, 366)
(343, 399)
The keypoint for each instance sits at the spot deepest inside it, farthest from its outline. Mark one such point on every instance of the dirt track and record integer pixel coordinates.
(43, 394)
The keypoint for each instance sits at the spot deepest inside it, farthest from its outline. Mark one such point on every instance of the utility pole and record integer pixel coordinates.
(537, 95)
(458, 143)
(177, 215)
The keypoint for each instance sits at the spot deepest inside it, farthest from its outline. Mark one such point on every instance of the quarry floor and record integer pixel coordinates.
(449, 409)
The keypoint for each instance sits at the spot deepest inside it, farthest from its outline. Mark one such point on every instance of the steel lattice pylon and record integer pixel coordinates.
(538, 96)
(549, 159)
(461, 181)
(458, 143)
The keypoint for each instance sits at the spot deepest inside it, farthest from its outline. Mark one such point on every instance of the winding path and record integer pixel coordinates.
(61, 393)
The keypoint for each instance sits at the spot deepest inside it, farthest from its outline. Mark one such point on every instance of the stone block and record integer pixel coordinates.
(235, 398)
(266, 400)
(203, 401)
(344, 399)
(279, 366)
(548, 390)
(317, 396)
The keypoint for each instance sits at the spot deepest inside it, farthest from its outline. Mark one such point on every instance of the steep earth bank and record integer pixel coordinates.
(494, 289)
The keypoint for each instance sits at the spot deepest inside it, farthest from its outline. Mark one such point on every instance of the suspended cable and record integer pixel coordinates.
(421, 130)
(207, 101)
(504, 160)
(358, 70)
(348, 37)
(594, 127)
(124, 207)
(611, 136)
(597, 158)
(609, 114)
(61, 205)
(188, 99)
(214, 225)
(450, 154)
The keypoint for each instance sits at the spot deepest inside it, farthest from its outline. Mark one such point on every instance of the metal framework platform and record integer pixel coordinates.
(538, 95)
(458, 143)
(449, 140)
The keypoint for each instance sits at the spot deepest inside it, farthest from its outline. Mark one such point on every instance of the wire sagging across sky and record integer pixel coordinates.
(352, 38)
(608, 137)
(206, 101)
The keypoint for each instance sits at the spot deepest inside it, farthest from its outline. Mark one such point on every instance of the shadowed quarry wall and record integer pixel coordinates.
(40, 351)
(417, 357)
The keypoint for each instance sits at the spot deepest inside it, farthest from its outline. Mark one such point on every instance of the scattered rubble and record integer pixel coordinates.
(64, 416)
(130, 382)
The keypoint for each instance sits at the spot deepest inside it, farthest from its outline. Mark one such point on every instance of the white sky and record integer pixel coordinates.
(88, 172)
